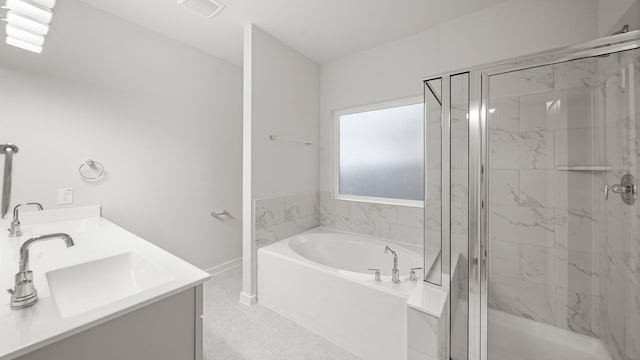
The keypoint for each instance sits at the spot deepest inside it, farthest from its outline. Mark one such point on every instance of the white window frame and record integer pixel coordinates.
(335, 166)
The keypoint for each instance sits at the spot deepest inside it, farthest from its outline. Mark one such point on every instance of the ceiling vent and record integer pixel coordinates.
(205, 8)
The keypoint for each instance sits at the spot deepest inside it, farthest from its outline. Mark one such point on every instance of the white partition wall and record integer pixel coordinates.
(281, 98)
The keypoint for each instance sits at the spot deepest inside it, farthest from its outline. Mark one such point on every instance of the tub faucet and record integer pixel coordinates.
(395, 274)
(24, 293)
(15, 230)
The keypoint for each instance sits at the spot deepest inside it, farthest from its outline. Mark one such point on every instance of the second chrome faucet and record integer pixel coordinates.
(395, 273)
(15, 229)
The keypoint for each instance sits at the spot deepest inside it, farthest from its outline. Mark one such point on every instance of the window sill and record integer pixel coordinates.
(384, 201)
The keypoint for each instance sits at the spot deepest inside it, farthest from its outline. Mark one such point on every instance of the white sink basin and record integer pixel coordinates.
(83, 287)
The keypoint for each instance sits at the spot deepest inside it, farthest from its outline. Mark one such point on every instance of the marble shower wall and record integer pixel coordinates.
(620, 251)
(281, 217)
(542, 218)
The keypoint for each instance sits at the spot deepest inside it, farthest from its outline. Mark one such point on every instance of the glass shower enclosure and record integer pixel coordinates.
(539, 220)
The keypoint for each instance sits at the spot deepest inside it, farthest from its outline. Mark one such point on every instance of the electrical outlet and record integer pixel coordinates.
(65, 196)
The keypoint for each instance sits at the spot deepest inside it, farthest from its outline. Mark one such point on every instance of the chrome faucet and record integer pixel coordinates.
(15, 230)
(24, 294)
(395, 274)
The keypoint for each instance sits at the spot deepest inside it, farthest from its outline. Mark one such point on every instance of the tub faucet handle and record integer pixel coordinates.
(412, 274)
(377, 277)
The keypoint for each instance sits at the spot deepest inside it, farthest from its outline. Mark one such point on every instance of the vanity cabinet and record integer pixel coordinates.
(168, 329)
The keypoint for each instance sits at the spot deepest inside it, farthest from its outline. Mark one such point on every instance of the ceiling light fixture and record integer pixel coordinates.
(46, 3)
(24, 35)
(205, 8)
(24, 23)
(28, 23)
(24, 45)
(32, 11)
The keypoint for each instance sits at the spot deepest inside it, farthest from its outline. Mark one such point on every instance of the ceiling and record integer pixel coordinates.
(322, 30)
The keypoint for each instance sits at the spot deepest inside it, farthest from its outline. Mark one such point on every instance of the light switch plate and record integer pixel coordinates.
(65, 196)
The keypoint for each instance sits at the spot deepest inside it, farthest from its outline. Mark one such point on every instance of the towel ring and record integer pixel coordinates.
(92, 165)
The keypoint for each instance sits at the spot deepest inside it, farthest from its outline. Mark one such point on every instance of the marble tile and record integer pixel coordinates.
(411, 216)
(577, 111)
(520, 298)
(632, 325)
(534, 262)
(434, 145)
(460, 153)
(371, 212)
(582, 314)
(459, 122)
(504, 258)
(576, 231)
(505, 115)
(570, 190)
(576, 147)
(537, 111)
(613, 313)
(522, 82)
(328, 205)
(536, 150)
(433, 216)
(582, 272)
(401, 233)
(504, 187)
(360, 226)
(434, 184)
(577, 73)
(269, 212)
(302, 205)
(281, 217)
(460, 185)
(538, 188)
(504, 149)
(527, 225)
(459, 218)
(526, 150)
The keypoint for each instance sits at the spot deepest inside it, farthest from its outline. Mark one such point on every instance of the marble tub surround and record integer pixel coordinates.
(278, 218)
(390, 222)
(544, 220)
(95, 238)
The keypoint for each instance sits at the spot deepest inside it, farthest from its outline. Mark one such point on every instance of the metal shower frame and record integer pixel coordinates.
(478, 176)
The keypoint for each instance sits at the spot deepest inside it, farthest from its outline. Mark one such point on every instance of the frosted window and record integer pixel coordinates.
(381, 153)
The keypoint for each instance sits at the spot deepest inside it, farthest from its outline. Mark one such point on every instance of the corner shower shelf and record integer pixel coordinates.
(584, 168)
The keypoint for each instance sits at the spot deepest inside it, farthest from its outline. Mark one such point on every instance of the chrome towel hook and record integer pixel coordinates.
(89, 165)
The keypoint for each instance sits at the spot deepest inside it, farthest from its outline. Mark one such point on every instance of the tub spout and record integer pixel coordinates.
(395, 273)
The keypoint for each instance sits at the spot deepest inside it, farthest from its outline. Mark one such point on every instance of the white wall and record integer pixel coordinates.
(395, 70)
(281, 97)
(285, 102)
(163, 118)
(611, 11)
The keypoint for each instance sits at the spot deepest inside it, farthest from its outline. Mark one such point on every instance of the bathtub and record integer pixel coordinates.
(320, 280)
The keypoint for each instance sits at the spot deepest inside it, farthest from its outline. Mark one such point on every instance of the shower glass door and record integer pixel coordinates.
(561, 231)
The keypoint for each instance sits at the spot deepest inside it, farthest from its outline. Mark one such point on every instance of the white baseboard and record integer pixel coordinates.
(248, 300)
(218, 269)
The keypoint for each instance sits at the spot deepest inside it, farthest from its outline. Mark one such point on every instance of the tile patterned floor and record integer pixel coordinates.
(233, 331)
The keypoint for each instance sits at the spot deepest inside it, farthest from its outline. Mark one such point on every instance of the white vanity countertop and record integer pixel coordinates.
(25, 330)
